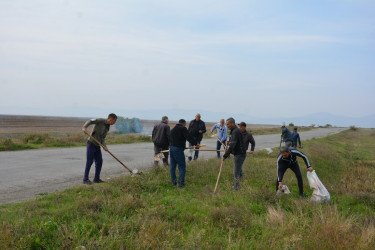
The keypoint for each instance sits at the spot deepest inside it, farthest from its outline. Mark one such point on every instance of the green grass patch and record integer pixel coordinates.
(47, 140)
(147, 212)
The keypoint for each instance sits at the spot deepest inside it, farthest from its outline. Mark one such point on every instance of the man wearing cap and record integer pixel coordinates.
(160, 138)
(221, 134)
(296, 138)
(197, 128)
(288, 159)
(286, 136)
(235, 147)
(178, 137)
(247, 138)
(94, 153)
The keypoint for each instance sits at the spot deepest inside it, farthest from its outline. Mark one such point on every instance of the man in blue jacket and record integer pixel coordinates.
(296, 138)
(286, 136)
(221, 133)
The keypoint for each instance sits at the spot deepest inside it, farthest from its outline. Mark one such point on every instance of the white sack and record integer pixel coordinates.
(284, 189)
(320, 193)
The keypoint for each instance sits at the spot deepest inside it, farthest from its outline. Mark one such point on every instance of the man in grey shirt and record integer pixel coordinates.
(99, 132)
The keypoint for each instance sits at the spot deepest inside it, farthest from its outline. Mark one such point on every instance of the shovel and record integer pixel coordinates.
(133, 172)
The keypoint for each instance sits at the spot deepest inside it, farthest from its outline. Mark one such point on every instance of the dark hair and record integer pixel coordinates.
(295, 128)
(284, 149)
(113, 116)
(182, 121)
(231, 120)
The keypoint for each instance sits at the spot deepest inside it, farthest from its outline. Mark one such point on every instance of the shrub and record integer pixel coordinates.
(353, 128)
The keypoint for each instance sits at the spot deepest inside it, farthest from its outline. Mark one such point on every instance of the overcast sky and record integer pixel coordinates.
(88, 58)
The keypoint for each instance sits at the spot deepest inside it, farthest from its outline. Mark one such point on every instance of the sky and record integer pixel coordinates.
(148, 58)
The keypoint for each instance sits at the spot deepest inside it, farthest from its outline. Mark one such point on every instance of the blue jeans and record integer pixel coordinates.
(177, 158)
(237, 170)
(93, 153)
(218, 146)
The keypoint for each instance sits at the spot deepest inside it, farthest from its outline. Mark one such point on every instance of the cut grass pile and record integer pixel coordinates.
(147, 212)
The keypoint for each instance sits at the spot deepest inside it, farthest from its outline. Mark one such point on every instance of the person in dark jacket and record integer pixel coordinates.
(286, 136)
(99, 132)
(296, 138)
(177, 144)
(235, 147)
(160, 138)
(247, 138)
(288, 159)
(197, 128)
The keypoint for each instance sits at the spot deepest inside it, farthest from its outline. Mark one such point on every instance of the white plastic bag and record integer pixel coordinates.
(284, 190)
(320, 193)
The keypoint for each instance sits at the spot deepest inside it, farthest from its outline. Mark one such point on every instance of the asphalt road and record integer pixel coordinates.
(29, 173)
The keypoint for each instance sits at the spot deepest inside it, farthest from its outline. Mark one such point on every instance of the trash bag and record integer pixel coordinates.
(284, 190)
(320, 193)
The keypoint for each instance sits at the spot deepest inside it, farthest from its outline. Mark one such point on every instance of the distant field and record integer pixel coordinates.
(17, 124)
(32, 132)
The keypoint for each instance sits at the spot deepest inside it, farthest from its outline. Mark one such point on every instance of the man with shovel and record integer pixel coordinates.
(221, 134)
(99, 132)
(178, 137)
(288, 159)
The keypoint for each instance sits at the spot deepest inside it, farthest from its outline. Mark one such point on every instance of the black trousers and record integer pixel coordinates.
(295, 168)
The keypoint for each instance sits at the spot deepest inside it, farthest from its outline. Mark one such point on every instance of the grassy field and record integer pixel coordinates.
(48, 140)
(147, 212)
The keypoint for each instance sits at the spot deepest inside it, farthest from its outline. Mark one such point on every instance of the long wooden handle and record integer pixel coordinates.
(197, 146)
(218, 177)
(92, 137)
(221, 143)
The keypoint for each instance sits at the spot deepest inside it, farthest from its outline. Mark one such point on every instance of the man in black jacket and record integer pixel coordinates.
(235, 147)
(178, 137)
(160, 138)
(288, 159)
(247, 138)
(197, 128)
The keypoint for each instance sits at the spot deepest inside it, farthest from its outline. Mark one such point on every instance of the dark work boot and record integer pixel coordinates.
(87, 182)
(98, 180)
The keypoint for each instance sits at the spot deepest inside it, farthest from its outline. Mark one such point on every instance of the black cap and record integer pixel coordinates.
(243, 124)
(182, 121)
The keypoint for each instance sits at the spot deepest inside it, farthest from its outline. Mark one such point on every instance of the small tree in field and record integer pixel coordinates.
(291, 124)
